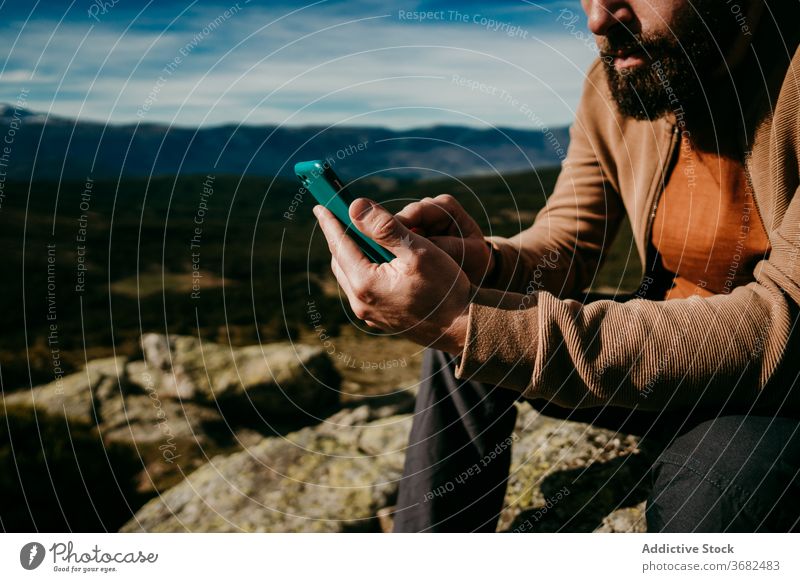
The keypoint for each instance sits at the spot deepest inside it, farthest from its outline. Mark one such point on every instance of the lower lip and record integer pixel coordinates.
(632, 60)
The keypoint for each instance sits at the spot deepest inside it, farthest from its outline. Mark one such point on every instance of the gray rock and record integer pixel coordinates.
(568, 476)
(166, 383)
(625, 520)
(77, 396)
(338, 475)
(273, 380)
(157, 349)
(328, 478)
(143, 419)
(171, 438)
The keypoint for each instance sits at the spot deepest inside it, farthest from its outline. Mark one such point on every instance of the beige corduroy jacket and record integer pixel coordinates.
(737, 351)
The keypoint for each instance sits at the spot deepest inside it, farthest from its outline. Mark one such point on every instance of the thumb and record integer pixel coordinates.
(381, 226)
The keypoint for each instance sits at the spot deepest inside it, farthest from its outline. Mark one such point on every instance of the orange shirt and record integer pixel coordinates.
(707, 230)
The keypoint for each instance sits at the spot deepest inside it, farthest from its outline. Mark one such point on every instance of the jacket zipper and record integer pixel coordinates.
(656, 196)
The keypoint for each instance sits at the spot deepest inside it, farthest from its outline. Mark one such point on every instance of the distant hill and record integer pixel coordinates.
(53, 148)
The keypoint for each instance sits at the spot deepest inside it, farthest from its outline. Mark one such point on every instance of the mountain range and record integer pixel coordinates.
(47, 147)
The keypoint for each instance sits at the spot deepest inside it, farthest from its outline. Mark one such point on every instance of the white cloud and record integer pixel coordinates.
(379, 69)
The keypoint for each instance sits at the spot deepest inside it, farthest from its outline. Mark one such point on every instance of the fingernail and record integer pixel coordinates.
(315, 210)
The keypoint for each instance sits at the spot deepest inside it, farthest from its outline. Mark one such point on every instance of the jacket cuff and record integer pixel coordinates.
(501, 343)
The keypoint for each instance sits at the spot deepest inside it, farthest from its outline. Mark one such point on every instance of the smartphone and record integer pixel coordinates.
(325, 186)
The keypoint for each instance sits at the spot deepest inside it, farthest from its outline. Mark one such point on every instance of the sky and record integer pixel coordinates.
(515, 63)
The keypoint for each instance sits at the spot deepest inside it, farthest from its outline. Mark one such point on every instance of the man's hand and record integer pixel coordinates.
(447, 225)
(422, 294)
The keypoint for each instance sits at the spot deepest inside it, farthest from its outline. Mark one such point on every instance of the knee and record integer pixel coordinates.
(734, 473)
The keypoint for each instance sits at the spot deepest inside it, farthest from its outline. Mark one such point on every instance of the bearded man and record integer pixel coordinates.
(689, 124)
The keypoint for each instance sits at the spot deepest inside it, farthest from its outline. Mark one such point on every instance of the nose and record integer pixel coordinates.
(603, 15)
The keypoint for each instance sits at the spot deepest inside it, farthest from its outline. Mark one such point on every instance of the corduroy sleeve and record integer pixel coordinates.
(640, 353)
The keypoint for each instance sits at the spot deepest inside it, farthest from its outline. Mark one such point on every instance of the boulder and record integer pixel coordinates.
(165, 411)
(569, 476)
(77, 396)
(342, 474)
(143, 419)
(171, 438)
(271, 381)
(328, 478)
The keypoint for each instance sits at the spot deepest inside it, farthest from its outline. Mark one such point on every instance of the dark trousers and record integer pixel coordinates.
(711, 473)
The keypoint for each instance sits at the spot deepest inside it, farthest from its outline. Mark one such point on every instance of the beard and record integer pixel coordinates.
(678, 63)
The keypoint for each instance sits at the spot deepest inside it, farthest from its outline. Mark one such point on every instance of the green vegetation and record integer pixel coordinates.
(257, 259)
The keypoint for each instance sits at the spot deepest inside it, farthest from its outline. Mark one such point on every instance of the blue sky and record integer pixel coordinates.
(359, 62)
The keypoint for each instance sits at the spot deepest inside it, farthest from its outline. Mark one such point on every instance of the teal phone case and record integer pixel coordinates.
(325, 186)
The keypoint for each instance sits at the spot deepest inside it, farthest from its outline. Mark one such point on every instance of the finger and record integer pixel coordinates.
(453, 246)
(347, 287)
(342, 247)
(342, 279)
(424, 214)
(439, 215)
(465, 223)
(381, 226)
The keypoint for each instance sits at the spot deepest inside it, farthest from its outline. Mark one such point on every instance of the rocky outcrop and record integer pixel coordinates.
(133, 419)
(215, 413)
(568, 476)
(273, 381)
(328, 478)
(339, 475)
(189, 401)
(77, 396)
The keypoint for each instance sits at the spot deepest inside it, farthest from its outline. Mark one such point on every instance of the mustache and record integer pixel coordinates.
(624, 41)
